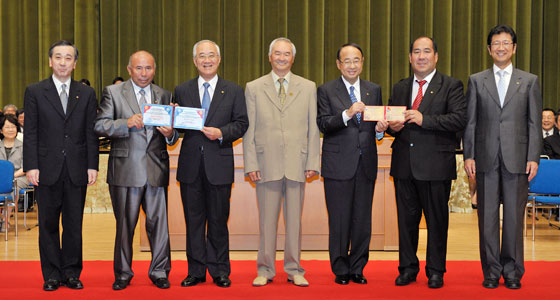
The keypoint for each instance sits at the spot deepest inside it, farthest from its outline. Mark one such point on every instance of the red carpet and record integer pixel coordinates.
(22, 280)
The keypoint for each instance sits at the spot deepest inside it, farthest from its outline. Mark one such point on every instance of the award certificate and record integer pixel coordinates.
(157, 115)
(395, 113)
(189, 118)
(374, 113)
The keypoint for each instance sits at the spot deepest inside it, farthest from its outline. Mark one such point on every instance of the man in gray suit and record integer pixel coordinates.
(138, 168)
(281, 150)
(502, 144)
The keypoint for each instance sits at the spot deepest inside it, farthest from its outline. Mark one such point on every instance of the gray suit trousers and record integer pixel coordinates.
(126, 207)
(269, 196)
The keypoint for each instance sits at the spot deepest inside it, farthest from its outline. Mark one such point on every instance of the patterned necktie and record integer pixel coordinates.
(206, 97)
(64, 97)
(419, 96)
(502, 88)
(282, 91)
(141, 102)
(547, 134)
(354, 100)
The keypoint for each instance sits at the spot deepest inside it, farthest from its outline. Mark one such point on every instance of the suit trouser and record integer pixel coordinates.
(512, 189)
(206, 208)
(126, 207)
(63, 197)
(413, 197)
(349, 207)
(269, 197)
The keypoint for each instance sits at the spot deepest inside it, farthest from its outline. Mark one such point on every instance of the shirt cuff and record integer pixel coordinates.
(379, 135)
(345, 118)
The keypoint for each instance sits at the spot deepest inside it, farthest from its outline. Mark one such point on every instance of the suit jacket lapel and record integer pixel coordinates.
(514, 84)
(130, 97)
(53, 97)
(490, 85)
(431, 91)
(219, 93)
(73, 97)
(156, 96)
(270, 91)
(344, 97)
(194, 95)
(292, 92)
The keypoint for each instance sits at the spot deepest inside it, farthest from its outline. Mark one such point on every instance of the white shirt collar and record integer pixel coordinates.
(147, 89)
(58, 84)
(356, 84)
(286, 78)
(508, 69)
(212, 82)
(427, 78)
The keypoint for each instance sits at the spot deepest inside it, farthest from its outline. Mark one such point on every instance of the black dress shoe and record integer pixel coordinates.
(162, 283)
(74, 283)
(192, 281)
(358, 278)
(490, 283)
(222, 281)
(342, 279)
(435, 281)
(513, 284)
(120, 284)
(51, 285)
(405, 279)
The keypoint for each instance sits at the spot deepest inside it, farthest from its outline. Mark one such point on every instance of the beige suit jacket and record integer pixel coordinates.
(281, 140)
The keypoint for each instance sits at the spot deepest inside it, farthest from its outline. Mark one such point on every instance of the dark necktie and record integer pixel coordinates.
(64, 97)
(419, 96)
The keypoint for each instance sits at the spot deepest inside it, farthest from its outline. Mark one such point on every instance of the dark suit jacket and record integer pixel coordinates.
(227, 112)
(515, 128)
(552, 146)
(51, 136)
(133, 160)
(427, 152)
(342, 144)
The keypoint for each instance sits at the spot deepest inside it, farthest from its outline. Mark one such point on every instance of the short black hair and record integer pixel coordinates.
(19, 112)
(63, 43)
(421, 37)
(349, 45)
(500, 29)
(549, 109)
(118, 78)
(9, 118)
(85, 81)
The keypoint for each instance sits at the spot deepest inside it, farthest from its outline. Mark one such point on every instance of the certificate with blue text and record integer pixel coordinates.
(189, 118)
(157, 115)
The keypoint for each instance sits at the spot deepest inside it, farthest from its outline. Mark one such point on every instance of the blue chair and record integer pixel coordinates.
(544, 189)
(7, 192)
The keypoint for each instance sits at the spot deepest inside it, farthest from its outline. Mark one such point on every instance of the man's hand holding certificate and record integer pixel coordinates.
(388, 113)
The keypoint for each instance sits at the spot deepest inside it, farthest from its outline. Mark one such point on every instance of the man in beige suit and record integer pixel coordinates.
(281, 150)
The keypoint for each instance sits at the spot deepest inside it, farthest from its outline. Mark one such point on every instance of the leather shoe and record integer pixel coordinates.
(358, 278)
(74, 283)
(222, 281)
(162, 283)
(120, 284)
(342, 279)
(513, 284)
(261, 281)
(192, 281)
(435, 281)
(490, 283)
(298, 280)
(51, 285)
(405, 279)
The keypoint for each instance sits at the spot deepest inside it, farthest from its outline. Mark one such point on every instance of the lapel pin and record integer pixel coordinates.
(517, 82)
(291, 94)
(367, 93)
(431, 92)
(222, 92)
(77, 97)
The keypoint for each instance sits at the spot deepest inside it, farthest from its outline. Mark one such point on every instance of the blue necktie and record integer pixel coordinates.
(502, 88)
(206, 97)
(354, 100)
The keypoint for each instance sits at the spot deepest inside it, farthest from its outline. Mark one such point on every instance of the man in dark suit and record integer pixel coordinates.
(138, 168)
(423, 159)
(349, 163)
(549, 123)
(60, 156)
(502, 144)
(205, 168)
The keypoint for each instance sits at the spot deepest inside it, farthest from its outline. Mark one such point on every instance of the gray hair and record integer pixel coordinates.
(10, 106)
(130, 58)
(204, 41)
(282, 39)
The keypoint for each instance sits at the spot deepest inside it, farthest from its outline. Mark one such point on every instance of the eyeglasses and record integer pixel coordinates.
(204, 56)
(348, 62)
(503, 43)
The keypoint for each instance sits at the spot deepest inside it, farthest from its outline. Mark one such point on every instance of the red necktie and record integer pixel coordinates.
(418, 98)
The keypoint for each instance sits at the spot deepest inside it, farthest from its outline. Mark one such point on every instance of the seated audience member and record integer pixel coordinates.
(118, 80)
(548, 123)
(20, 116)
(84, 81)
(10, 109)
(11, 149)
(551, 145)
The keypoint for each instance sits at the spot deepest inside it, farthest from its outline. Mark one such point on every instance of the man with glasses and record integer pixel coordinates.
(349, 163)
(502, 144)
